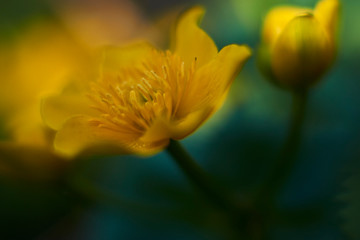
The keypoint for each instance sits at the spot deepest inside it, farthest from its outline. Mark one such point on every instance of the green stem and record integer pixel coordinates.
(287, 159)
(240, 214)
(198, 177)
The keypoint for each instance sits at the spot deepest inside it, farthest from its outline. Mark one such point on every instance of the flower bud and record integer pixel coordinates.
(298, 44)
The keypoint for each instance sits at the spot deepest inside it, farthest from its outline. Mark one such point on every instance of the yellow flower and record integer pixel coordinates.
(144, 96)
(39, 62)
(298, 44)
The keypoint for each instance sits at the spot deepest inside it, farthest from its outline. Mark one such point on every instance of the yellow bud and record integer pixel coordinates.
(298, 44)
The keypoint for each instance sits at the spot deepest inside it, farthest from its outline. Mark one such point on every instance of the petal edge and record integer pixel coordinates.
(191, 42)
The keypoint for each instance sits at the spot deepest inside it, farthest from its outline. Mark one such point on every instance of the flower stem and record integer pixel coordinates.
(287, 159)
(240, 214)
(197, 175)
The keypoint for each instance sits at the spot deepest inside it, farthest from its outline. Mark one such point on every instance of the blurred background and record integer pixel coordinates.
(128, 197)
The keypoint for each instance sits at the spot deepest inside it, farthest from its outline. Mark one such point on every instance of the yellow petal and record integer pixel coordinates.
(39, 61)
(191, 42)
(229, 62)
(209, 89)
(184, 127)
(302, 52)
(326, 12)
(277, 19)
(158, 131)
(26, 127)
(79, 136)
(212, 80)
(116, 58)
(56, 109)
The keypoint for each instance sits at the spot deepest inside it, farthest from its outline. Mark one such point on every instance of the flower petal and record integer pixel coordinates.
(184, 127)
(302, 52)
(79, 136)
(56, 109)
(159, 131)
(191, 42)
(116, 58)
(230, 61)
(39, 61)
(209, 89)
(326, 12)
(26, 127)
(277, 19)
(213, 79)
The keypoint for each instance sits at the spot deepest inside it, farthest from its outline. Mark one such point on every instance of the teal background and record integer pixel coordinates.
(150, 198)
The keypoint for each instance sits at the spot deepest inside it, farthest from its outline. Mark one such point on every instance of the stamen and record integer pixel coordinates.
(131, 101)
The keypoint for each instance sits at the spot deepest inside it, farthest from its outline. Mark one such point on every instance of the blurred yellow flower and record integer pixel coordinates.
(299, 44)
(144, 96)
(39, 62)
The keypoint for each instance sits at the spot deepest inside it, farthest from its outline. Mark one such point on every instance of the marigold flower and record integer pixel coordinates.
(144, 96)
(298, 44)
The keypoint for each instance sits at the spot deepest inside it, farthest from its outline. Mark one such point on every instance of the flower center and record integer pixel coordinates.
(130, 101)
